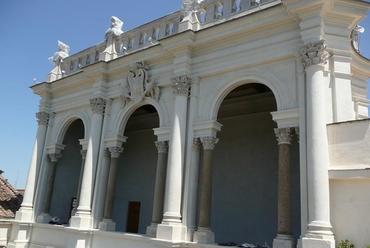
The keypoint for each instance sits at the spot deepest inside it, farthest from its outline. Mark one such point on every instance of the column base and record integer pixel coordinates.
(24, 214)
(174, 232)
(283, 241)
(43, 218)
(308, 242)
(151, 231)
(204, 236)
(107, 225)
(319, 235)
(81, 220)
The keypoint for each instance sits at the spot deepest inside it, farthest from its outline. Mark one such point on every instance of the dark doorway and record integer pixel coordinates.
(133, 217)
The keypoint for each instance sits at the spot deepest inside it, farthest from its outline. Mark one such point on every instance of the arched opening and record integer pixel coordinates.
(67, 173)
(245, 169)
(136, 173)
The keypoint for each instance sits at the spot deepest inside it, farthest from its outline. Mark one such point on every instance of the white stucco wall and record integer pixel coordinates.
(350, 210)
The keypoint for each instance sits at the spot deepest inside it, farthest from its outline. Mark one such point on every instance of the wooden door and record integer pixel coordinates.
(133, 217)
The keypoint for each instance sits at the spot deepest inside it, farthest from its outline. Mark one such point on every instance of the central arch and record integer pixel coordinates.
(133, 197)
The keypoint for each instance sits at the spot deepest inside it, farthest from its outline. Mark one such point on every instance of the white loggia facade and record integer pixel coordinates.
(224, 123)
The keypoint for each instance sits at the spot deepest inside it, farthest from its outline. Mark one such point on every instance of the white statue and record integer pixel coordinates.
(115, 28)
(61, 54)
(57, 59)
(190, 9)
(356, 36)
(111, 35)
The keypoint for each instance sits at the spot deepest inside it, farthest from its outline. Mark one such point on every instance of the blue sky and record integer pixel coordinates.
(29, 31)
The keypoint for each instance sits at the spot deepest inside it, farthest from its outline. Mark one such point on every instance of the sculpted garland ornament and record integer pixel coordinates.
(314, 53)
(138, 85)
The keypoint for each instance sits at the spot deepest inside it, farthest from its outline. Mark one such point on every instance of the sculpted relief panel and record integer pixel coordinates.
(138, 85)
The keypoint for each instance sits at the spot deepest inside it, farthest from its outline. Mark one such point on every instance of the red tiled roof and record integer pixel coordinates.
(10, 199)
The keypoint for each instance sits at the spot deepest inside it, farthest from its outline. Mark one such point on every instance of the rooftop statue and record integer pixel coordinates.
(111, 36)
(57, 59)
(115, 28)
(61, 54)
(189, 9)
(356, 36)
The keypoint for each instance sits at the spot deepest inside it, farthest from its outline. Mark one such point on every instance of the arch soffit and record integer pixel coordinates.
(65, 123)
(283, 101)
(120, 122)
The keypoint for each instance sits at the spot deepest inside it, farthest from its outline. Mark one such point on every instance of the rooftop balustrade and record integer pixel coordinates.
(207, 12)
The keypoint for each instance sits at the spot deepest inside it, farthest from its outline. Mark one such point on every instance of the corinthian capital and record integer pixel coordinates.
(284, 135)
(314, 53)
(115, 151)
(162, 146)
(98, 105)
(209, 142)
(42, 118)
(181, 85)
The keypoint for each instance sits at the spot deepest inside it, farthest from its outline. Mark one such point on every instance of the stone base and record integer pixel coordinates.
(24, 214)
(151, 230)
(204, 236)
(283, 241)
(20, 234)
(81, 221)
(107, 225)
(174, 232)
(43, 218)
(311, 242)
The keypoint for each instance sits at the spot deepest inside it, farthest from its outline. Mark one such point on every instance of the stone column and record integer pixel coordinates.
(51, 179)
(160, 180)
(108, 224)
(172, 227)
(319, 231)
(284, 238)
(204, 233)
(193, 188)
(82, 219)
(26, 212)
(83, 156)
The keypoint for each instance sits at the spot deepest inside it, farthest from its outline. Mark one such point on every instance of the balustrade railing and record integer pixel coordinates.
(208, 12)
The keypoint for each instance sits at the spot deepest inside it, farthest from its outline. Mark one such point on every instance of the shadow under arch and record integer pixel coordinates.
(136, 170)
(233, 85)
(126, 113)
(67, 168)
(65, 125)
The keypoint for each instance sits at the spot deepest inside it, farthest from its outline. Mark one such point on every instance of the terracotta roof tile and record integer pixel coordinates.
(10, 199)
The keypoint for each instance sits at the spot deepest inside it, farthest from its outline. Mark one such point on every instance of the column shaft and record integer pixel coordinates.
(110, 188)
(317, 149)
(205, 190)
(50, 186)
(26, 210)
(160, 182)
(83, 218)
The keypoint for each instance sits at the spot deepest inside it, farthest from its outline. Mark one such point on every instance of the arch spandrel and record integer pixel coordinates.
(215, 91)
